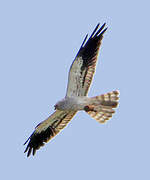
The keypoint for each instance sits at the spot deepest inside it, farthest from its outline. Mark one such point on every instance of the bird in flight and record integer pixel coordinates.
(81, 72)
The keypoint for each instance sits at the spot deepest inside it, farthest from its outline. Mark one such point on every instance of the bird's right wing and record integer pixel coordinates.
(48, 129)
(83, 67)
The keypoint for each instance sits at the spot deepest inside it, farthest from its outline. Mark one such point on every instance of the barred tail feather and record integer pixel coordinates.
(102, 106)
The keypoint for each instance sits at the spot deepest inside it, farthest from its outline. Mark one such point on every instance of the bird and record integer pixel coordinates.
(81, 72)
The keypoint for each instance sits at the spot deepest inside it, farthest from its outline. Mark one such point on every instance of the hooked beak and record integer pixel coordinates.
(55, 107)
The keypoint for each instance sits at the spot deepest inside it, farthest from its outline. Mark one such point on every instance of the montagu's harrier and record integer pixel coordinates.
(81, 73)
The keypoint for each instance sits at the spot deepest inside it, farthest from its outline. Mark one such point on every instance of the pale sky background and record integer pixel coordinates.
(38, 42)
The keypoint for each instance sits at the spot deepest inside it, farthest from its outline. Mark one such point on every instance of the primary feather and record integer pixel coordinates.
(83, 67)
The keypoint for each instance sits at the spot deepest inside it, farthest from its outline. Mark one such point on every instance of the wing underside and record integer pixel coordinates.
(80, 78)
(47, 130)
(83, 67)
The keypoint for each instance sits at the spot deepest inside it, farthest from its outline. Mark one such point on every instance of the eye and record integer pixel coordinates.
(56, 106)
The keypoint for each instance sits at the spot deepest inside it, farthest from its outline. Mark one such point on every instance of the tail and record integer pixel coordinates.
(101, 107)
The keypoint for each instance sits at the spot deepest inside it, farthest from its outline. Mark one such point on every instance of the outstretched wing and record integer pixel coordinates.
(48, 129)
(83, 67)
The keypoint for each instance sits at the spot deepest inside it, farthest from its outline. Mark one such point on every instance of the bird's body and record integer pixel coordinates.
(80, 77)
(76, 103)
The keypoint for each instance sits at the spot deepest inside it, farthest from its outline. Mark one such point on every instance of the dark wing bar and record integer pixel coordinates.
(47, 129)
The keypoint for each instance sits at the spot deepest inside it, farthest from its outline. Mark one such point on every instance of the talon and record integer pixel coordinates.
(89, 108)
(86, 108)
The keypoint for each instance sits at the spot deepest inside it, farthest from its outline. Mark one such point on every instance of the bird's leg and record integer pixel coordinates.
(89, 108)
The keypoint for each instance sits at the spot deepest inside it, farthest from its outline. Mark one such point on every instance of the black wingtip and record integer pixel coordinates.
(94, 30)
(104, 31)
(27, 140)
(36, 140)
(100, 30)
(84, 40)
(98, 33)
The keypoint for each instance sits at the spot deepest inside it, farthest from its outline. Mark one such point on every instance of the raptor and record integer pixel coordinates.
(81, 72)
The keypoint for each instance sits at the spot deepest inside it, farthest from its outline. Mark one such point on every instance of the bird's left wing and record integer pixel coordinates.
(83, 67)
(48, 129)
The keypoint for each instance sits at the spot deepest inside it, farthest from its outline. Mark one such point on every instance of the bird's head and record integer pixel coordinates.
(59, 105)
(56, 106)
